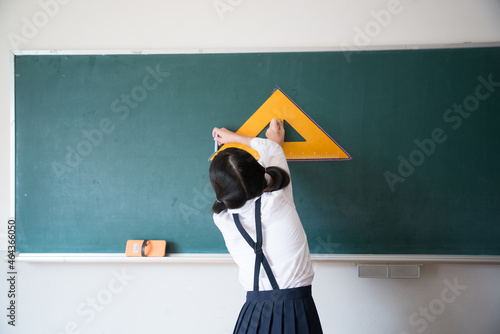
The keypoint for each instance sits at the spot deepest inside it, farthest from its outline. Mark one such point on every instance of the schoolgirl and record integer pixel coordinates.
(256, 214)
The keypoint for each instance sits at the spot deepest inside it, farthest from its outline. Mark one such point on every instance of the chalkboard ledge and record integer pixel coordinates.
(226, 258)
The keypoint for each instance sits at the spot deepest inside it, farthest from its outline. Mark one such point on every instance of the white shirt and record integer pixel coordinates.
(284, 240)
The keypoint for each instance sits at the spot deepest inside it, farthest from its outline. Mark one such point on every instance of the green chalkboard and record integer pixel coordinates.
(116, 147)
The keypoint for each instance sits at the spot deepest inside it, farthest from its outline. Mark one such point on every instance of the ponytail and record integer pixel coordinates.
(280, 178)
(218, 207)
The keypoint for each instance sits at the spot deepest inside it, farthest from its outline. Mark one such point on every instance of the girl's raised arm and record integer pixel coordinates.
(276, 133)
(225, 136)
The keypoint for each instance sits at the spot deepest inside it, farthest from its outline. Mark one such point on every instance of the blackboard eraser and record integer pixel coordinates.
(149, 248)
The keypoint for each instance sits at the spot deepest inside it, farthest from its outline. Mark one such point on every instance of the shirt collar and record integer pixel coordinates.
(247, 206)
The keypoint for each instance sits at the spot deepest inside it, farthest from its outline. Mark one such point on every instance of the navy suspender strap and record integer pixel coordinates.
(257, 246)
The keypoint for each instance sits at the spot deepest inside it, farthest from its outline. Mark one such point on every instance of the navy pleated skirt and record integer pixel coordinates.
(286, 311)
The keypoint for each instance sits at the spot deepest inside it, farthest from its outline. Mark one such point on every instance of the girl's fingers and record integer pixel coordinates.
(276, 124)
(218, 132)
(222, 135)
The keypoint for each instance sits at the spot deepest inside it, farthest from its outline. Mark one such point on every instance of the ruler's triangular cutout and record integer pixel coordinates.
(318, 145)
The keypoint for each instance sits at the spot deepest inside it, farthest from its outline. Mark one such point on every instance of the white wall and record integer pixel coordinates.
(205, 298)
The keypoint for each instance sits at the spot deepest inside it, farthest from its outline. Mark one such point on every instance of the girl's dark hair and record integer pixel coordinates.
(236, 177)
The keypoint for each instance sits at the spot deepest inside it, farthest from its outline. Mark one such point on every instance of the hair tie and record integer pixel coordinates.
(218, 201)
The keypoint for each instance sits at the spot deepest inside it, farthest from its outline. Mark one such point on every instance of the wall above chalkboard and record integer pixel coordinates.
(114, 147)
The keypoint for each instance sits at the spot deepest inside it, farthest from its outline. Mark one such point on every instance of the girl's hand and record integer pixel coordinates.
(276, 131)
(224, 136)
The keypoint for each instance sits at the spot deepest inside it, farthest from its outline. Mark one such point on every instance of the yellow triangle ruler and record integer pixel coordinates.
(318, 145)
